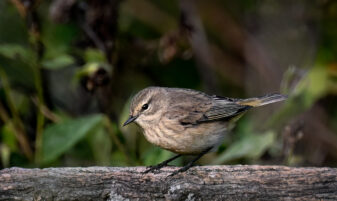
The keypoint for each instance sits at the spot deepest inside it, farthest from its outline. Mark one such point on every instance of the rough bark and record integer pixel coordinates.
(198, 183)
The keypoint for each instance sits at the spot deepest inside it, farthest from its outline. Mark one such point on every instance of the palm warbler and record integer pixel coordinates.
(186, 121)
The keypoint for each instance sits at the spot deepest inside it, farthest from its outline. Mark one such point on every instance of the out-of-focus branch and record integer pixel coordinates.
(192, 25)
(242, 43)
(20, 7)
(45, 110)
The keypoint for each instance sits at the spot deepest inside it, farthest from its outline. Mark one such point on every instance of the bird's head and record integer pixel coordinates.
(147, 106)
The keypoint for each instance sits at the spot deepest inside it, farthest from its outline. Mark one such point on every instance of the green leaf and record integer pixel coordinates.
(309, 89)
(58, 38)
(58, 62)
(252, 146)
(8, 136)
(14, 51)
(5, 154)
(60, 137)
(312, 87)
(94, 55)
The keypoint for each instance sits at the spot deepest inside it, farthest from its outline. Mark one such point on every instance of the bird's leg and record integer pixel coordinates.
(191, 163)
(160, 165)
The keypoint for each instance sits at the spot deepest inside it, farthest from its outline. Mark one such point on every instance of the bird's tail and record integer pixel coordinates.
(264, 100)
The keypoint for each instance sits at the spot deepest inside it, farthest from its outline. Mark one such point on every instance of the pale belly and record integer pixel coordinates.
(187, 140)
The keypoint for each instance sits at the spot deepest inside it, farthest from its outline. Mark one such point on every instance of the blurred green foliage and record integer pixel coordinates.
(68, 72)
(59, 137)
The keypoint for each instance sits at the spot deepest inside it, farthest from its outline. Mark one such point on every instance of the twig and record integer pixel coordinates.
(115, 139)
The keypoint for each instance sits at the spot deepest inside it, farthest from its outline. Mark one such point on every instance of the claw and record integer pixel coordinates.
(160, 165)
(183, 169)
(152, 168)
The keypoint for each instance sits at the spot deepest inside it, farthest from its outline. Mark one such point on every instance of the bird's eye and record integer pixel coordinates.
(145, 106)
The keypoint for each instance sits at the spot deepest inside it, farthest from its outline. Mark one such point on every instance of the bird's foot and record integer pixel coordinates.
(190, 164)
(183, 169)
(160, 165)
(154, 168)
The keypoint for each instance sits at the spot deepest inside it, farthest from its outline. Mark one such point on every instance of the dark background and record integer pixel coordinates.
(69, 68)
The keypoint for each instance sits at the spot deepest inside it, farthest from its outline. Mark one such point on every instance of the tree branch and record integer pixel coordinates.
(198, 183)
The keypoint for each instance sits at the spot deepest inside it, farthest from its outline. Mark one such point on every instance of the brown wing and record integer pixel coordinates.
(224, 109)
(199, 107)
(188, 106)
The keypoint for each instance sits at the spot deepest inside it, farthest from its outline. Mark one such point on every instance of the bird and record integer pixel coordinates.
(187, 121)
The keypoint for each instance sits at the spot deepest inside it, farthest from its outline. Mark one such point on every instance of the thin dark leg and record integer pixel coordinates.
(191, 163)
(162, 164)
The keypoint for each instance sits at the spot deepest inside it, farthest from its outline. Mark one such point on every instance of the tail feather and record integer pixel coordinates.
(260, 101)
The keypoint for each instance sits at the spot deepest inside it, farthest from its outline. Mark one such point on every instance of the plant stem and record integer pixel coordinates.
(40, 116)
(115, 139)
(20, 133)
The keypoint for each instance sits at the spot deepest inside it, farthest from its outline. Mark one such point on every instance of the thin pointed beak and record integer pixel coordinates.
(131, 119)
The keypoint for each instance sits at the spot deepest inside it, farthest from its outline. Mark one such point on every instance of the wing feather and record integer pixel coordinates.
(211, 109)
(222, 109)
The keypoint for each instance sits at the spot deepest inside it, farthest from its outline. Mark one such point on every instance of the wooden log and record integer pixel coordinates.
(240, 182)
